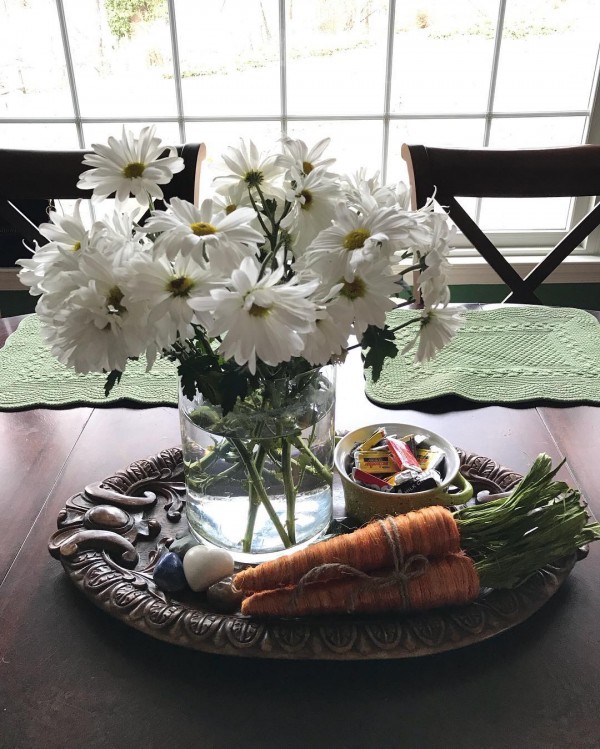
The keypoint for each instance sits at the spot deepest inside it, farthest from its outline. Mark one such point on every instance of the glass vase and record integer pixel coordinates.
(259, 478)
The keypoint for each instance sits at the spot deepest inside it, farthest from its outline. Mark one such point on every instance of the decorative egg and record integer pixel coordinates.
(203, 566)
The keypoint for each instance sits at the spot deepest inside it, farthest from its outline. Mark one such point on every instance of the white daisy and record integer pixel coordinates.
(259, 318)
(313, 198)
(333, 327)
(120, 237)
(68, 240)
(296, 155)
(251, 169)
(131, 165)
(229, 198)
(48, 262)
(168, 287)
(225, 258)
(433, 281)
(367, 294)
(438, 326)
(188, 229)
(97, 327)
(66, 230)
(355, 237)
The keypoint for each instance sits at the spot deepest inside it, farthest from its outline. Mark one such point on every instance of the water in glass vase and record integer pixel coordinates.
(260, 481)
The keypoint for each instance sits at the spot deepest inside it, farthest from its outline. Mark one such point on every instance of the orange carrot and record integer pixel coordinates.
(430, 531)
(448, 580)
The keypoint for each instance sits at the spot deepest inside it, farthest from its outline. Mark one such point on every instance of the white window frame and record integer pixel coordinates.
(522, 247)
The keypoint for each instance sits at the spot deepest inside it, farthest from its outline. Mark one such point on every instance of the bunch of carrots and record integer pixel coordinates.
(428, 558)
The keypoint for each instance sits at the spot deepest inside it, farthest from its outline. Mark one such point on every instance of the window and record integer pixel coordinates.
(369, 73)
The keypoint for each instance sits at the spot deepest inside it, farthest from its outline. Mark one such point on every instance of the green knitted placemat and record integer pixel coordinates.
(30, 377)
(505, 355)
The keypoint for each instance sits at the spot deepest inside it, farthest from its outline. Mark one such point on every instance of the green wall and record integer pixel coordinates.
(581, 295)
(16, 303)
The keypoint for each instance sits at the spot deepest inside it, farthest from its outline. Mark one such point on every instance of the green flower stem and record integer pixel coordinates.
(210, 456)
(414, 321)
(275, 458)
(210, 480)
(321, 470)
(290, 489)
(258, 212)
(300, 465)
(304, 465)
(254, 501)
(258, 485)
(404, 271)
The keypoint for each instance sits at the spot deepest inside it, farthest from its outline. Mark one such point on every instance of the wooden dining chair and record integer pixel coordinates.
(528, 173)
(31, 180)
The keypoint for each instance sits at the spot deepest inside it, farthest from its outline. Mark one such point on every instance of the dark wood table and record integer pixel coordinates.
(71, 677)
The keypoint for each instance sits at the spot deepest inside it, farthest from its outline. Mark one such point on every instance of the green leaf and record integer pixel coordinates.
(195, 371)
(234, 385)
(379, 345)
(112, 379)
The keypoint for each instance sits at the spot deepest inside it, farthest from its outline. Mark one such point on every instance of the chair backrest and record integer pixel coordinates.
(524, 173)
(31, 180)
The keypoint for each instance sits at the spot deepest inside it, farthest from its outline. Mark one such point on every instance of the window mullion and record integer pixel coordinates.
(492, 89)
(176, 69)
(494, 73)
(387, 97)
(583, 205)
(283, 67)
(70, 71)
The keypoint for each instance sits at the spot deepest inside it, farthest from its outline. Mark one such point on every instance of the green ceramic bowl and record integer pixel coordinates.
(364, 504)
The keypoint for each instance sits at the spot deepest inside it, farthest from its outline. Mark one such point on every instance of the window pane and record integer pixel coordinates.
(536, 132)
(443, 55)
(218, 136)
(548, 55)
(99, 132)
(336, 56)
(437, 133)
(354, 144)
(39, 136)
(33, 79)
(229, 57)
(530, 213)
(522, 214)
(123, 66)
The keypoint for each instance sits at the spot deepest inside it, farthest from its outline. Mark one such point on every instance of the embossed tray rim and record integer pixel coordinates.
(130, 596)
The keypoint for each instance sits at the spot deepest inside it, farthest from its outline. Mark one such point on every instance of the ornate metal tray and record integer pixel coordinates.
(111, 534)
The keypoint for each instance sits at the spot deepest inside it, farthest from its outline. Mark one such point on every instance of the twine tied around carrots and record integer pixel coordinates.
(403, 562)
(403, 571)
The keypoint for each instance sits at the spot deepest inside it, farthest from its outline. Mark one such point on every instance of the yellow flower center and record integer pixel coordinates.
(230, 209)
(353, 289)
(76, 246)
(257, 311)
(253, 178)
(307, 167)
(180, 286)
(308, 199)
(133, 169)
(356, 239)
(201, 229)
(113, 301)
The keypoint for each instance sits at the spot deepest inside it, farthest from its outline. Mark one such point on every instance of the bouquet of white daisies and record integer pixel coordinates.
(275, 274)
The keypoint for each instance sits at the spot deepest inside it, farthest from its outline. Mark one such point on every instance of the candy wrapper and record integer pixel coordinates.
(389, 463)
